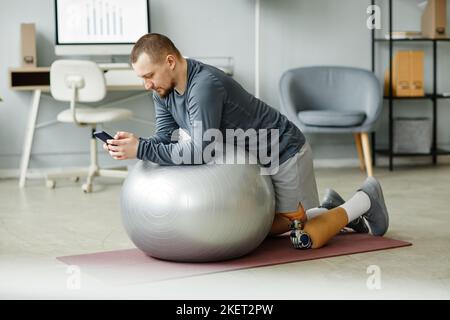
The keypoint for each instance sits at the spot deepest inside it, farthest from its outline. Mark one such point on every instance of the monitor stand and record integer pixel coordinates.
(112, 62)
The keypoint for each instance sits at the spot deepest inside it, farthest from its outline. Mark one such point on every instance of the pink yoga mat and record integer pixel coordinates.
(132, 266)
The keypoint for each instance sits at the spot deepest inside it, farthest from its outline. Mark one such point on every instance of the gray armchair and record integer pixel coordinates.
(330, 99)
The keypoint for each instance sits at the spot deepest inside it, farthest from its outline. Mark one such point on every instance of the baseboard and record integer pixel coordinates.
(35, 173)
(336, 163)
(44, 163)
(382, 161)
(40, 173)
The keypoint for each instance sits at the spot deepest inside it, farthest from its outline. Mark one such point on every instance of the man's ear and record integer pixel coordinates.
(171, 61)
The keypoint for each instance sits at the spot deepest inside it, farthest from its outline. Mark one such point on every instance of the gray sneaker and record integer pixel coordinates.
(377, 216)
(332, 199)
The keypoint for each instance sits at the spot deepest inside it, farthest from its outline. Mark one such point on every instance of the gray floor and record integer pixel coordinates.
(38, 224)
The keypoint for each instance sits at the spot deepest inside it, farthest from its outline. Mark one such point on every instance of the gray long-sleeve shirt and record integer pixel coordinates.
(215, 101)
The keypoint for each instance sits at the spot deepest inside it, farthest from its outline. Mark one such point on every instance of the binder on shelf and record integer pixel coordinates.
(407, 75)
(417, 73)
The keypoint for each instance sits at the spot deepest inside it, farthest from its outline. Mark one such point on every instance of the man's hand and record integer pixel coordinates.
(123, 146)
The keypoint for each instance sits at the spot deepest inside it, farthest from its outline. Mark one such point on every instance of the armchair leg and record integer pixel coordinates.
(367, 155)
(358, 142)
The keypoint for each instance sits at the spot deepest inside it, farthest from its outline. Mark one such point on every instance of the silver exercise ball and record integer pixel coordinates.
(197, 213)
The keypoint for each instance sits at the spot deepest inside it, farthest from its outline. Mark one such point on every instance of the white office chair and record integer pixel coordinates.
(82, 81)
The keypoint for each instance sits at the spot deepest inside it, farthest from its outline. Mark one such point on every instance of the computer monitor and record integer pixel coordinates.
(99, 27)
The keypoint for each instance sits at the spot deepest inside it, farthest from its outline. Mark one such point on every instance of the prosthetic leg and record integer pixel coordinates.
(314, 233)
(315, 227)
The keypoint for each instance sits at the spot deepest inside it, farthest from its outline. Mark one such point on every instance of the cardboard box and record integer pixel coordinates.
(407, 74)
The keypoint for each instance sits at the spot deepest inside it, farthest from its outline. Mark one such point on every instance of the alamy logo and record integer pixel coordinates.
(374, 280)
(211, 147)
(74, 279)
(374, 19)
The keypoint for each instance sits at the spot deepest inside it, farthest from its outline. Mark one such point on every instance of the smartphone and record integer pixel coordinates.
(102, 135)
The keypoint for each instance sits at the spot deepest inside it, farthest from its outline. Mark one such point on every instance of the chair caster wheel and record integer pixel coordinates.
(75, 179)
(50, 184)
(87, 188)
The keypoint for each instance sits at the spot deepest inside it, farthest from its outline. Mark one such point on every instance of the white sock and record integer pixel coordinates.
(357, 205)
(314, 212)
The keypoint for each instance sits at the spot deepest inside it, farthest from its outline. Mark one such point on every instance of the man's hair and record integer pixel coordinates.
(156, 46)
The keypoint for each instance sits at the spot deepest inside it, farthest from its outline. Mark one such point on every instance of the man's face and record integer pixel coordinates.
(158, 77)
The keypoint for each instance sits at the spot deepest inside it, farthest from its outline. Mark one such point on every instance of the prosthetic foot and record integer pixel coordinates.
(299, 238)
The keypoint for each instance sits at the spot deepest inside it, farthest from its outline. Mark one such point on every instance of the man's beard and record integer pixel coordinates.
(166, 92)
(163, 93)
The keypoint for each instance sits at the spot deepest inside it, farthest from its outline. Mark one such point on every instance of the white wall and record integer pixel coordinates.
(293, 33)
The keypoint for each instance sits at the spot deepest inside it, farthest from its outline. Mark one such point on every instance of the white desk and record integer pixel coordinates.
(38, 81)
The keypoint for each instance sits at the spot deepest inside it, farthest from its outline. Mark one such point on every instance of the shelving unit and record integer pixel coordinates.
(433, 96)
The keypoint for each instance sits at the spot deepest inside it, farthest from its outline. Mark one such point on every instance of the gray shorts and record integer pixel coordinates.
(295, 182)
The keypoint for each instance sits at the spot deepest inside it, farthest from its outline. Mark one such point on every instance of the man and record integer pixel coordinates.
(189, 94)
